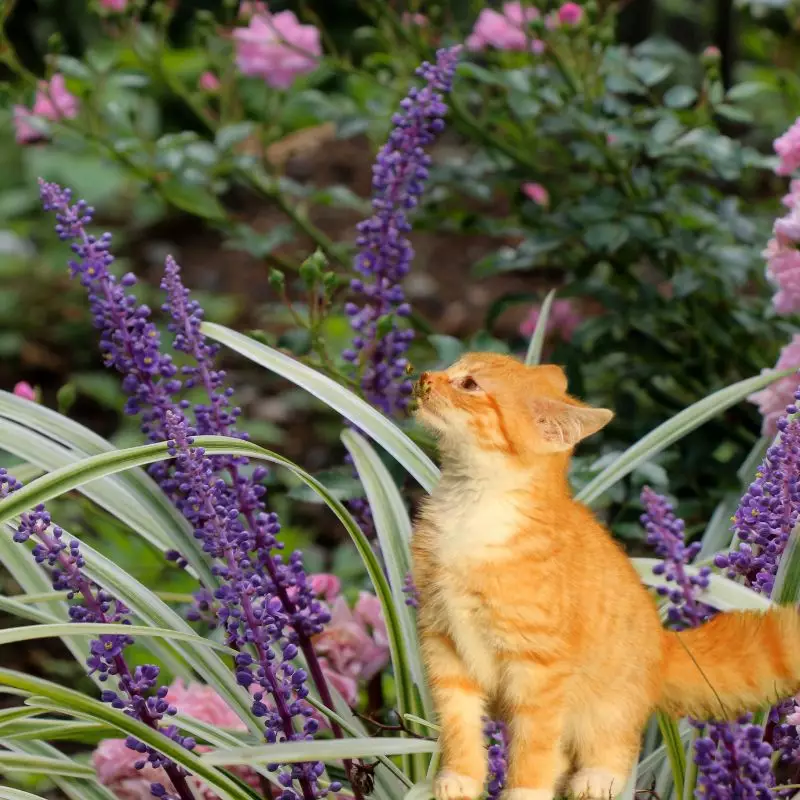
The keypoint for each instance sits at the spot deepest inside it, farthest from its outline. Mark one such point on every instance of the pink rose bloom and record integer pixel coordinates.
(52, 102)
(325, 585)
(24, 390)
(772, 400)
(347, 646)
(537, 193)
(788, 148)
(562, 321)
(248, 8)
(504, 31)
(420, 20)
(369, 613)
(570, 14)
(277, 48)
(208, 82)
(114, 5)
(114, 762)
(787, 229)
(790, 200)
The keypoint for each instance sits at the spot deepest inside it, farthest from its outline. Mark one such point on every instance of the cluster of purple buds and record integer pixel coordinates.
(92, 604)
(665, 533)
(497, 735)
(769, 510)
(411, 591)
(385, 252)
(734, 762)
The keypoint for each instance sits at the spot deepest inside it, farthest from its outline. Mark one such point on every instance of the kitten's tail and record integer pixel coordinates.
(738, 661)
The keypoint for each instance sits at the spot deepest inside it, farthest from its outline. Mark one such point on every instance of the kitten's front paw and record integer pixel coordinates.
(596, 784)
(452, 786)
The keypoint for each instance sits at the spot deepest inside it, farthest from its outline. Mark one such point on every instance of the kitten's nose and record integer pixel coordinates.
(423, 385)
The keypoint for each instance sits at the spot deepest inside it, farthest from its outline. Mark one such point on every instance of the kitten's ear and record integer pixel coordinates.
(553, 374)
(562, 425)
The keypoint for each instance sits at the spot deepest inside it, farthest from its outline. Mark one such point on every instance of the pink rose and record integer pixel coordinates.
(537, 193)
(24, 390)
(114, 762)
(277, 48)
(563, 320)
(790, 200)
(570, 14)
(248, 8)
(208, 82)
(772, 400)
(114, 5)
(788, 148)
(420, 20)
(369, 613)
(52, 102)
(347, 646)
(325, 585)
(504, 31)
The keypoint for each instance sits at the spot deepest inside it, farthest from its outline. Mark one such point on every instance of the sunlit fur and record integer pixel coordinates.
(531, 612)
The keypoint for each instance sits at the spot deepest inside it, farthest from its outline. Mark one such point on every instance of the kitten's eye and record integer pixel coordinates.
(469, 384)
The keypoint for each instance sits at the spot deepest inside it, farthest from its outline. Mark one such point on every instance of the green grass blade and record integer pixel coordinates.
(73, 788)
(675, 751)
(67, 701)
(534, 354)
(7, 793)
(393, 528)
(349, 405)
(94, 629)
(786, 590)
(90, 733)
(722, 593)
(672, 430)
(330, 750)
(39, 765)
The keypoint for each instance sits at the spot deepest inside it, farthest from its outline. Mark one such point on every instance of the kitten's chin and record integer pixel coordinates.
(429, 419)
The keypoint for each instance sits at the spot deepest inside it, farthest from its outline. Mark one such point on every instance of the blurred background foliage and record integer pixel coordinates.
(657, 162)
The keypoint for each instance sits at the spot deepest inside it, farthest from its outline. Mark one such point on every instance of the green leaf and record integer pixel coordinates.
(722, 593)
(7, 793)
(30, 632)
(20, 762)
(534, 354)
(195, 199)
(680, 96)
(229, 135)
(330, 750)
(366, 418)
(675, 752)
(393, 528)
(606, 236)
(58, 699)
(733, 113)
(748, 89)
(674, 429)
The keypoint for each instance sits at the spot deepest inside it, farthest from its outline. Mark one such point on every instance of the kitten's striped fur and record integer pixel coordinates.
(530, 611)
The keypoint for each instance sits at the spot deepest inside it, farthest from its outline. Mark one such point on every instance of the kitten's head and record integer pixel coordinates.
(495, 403)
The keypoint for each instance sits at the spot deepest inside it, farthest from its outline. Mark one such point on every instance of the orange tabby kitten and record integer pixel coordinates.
(529, 609)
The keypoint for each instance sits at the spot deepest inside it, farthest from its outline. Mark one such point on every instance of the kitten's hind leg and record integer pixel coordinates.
(460, 703)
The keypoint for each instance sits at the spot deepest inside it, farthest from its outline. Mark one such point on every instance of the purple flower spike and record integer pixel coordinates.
(385, 256)
(769, 510)
(665, 532)
(734, 762)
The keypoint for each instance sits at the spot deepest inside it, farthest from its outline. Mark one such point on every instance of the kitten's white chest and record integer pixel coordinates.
(474, 521)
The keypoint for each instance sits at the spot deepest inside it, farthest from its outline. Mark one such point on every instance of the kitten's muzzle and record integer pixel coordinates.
(422, 388)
